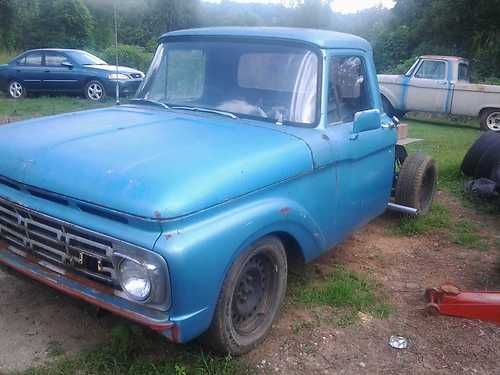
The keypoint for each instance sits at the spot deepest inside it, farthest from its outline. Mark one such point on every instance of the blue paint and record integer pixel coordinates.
(449, 86)
(405, 83)
(198, 189)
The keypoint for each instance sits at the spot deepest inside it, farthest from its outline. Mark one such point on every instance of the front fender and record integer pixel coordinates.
(200, 251)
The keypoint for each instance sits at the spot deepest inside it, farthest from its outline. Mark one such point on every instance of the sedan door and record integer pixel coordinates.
(30, 71)
(430, 88)
(61, 74)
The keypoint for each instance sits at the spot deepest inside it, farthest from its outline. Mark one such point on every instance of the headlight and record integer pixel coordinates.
(134, 279)
(118, 76)
(143, 276)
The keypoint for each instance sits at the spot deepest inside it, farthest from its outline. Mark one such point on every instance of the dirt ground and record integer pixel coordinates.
(34, 319)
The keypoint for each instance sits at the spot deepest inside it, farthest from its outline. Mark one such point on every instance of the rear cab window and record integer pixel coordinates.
(463, 72)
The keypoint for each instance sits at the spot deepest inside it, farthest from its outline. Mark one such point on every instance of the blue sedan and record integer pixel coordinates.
(66, 71)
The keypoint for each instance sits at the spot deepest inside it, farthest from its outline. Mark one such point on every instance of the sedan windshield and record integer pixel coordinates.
(263, 80)
(85, 58)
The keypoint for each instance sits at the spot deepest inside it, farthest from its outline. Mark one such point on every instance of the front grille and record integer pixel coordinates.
(56, 241)
(136, 75)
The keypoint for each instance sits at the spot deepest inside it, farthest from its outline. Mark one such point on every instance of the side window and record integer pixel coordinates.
(55, 59)
(185, 75)
(34, 59)
(463, 72)
(348, 90)
(431, 70)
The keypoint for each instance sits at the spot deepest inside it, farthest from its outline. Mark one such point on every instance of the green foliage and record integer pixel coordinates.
(134, 352)
(12, 110)
(437, 219)
(132, 56)
(350, 292)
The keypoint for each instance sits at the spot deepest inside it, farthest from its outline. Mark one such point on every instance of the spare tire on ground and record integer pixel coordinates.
(417, 181)
(489, 159)
(476, 151)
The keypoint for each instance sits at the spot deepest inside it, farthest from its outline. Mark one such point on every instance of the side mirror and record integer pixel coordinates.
(67, 64)
(366, 120)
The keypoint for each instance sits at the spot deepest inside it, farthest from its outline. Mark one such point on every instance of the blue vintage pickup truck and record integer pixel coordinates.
(246, 151)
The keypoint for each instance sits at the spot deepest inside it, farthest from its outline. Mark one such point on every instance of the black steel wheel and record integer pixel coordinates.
(417, 181)
(250, 299)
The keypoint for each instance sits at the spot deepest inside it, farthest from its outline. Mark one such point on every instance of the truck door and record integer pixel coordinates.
(430, 87)
(364, 158)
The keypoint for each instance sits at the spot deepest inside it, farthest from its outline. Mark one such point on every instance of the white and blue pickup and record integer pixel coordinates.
(441, 84)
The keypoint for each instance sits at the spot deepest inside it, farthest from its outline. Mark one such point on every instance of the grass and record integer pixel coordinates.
(437, 219)
(348, 292)
(13, 110)
(466, 234)
(133, 352)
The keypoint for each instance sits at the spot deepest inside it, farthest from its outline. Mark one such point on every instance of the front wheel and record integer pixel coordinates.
(490, 120)
(94, 90)
(251, 296)
(16, 90)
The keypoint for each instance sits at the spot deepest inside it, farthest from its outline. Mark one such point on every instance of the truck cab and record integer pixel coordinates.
(441, 84)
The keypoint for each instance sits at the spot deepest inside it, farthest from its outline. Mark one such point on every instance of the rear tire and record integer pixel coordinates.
(476, 151)
(251, 296)
(490, 119)
(417, 183)
(389, 109)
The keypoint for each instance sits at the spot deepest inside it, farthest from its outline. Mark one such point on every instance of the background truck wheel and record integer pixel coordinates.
(417, 183)
(489, 159)
(252, 293)
(389, 109)
(476, 151)
(490, 119)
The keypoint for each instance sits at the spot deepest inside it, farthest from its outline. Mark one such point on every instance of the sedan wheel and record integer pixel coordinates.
(94, 90)
(16, 90)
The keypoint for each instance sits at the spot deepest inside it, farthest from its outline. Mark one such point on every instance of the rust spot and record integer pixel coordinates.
(285, 211)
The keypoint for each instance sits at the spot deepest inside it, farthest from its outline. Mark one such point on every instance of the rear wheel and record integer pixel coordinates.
(252, 293)
(417, 183)
(16, 90)
(490, 119)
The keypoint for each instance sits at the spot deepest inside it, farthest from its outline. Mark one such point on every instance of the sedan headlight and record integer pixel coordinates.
(134, 280)
(118, 76)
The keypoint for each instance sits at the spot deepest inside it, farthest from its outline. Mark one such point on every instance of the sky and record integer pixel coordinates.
(342, 6)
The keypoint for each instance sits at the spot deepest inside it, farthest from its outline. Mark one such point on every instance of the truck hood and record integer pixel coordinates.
(146, 162)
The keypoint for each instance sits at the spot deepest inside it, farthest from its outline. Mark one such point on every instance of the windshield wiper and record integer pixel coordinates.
(207, 110)
(150, 101)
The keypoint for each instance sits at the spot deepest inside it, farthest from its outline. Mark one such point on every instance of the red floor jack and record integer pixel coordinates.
(449, 300)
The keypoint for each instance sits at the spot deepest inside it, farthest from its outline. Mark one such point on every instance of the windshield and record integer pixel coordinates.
(85, 58)
(260, 80)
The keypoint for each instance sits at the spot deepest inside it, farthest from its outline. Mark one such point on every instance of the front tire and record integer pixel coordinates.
(251, 296)
(490, 119)
(94, 90)
(16, 90)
